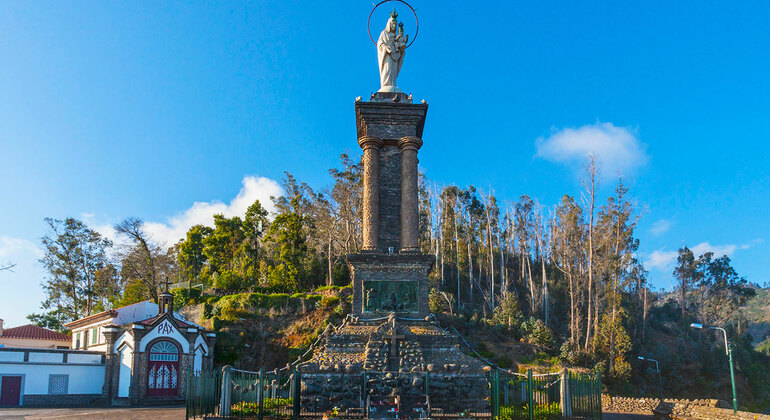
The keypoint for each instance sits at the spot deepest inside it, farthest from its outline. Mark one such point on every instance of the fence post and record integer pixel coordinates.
(224, 400)
(297, 392)
(564, 395)
(497, 393)
(260, 392)
(530, 395)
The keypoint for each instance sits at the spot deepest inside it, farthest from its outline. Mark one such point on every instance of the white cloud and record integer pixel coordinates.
(661, 226)
(616, 149)
(175, 228)
(661, 260)
(665, 260)
(718, 250)
(11, 247)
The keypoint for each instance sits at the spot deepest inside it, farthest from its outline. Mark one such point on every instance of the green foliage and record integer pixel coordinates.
(328, 301)
(269, 406)
(537, 333)
(73, 254)
(183, 298)
(325, 288)
(229, 281)
(51, 320)
(221, 245)
(574, 355)
(191, 255)
(764, 347)
(436, 303)
(508, 315)
(550, 411)
(613, 344)
(134, 291)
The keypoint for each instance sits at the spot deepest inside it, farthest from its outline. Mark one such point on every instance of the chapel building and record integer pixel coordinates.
(149, 350)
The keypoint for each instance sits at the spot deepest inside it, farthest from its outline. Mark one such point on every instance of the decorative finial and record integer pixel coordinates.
(166, 283)
(394, 14)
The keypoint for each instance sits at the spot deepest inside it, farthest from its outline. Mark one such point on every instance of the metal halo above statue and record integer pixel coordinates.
(416, 29)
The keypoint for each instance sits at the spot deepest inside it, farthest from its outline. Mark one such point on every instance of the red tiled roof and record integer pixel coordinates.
(34, 332)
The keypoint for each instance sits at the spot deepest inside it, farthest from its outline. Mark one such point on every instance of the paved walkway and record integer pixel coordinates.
(144, 413)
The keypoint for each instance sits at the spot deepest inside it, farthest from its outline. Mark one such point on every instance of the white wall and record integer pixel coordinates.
(82, 379)
(46, 357)
(11, 356)
(126, 362)
(85, 371)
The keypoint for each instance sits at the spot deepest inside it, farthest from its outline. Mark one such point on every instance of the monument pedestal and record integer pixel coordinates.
(389, 350)
(390, 283)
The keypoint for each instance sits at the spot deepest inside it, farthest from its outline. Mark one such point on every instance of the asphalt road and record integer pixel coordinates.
(148, 413)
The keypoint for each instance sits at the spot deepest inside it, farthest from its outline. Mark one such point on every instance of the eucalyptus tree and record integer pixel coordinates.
(73, 254)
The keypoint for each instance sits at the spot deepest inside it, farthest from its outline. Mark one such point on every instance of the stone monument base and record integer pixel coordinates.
(365, 361)
(385, 283)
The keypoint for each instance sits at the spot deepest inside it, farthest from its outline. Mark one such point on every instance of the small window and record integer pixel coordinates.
(57, 384)
(77, 340)
(94, 334)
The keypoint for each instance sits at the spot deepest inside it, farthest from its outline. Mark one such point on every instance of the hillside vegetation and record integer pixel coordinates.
(530, 285)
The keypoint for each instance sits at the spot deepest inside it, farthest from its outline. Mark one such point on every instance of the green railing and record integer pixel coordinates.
(530, 396)
(585, 394)
(239, 394)
(203, 393)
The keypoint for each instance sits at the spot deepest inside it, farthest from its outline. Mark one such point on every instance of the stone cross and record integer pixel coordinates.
(394, 337)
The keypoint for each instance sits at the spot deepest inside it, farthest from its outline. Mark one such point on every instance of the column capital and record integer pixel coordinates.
(410, 143)
(370, 142)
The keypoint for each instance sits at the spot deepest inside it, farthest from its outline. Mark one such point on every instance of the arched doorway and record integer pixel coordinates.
(163, 370)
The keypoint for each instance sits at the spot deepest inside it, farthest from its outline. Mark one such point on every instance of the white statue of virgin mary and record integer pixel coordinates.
(390, 54)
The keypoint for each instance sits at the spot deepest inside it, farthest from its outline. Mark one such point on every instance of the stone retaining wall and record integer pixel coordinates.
(676, 408)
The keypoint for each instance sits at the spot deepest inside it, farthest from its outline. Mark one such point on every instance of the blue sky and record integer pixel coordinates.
(116, 109)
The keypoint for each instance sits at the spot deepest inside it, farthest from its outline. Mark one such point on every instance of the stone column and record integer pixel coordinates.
(371, 199)
(409, 200)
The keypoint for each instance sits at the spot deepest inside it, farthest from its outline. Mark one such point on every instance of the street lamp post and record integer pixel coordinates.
(657, 370)
(729, 351)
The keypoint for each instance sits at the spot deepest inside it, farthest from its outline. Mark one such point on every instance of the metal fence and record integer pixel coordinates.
(585, 394)
(203, 394)
(236, 394)
(530, 396)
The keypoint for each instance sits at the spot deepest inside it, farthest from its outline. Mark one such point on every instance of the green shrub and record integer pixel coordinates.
(328, 301)
(508, 315)
(269, 407)
(573, 355)
(325, 288)
(550, 411)
(537, 333)
(298, 295)
(182, 298)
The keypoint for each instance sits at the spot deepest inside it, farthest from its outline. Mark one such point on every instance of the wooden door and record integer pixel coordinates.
(163, 370)
(10, 391)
